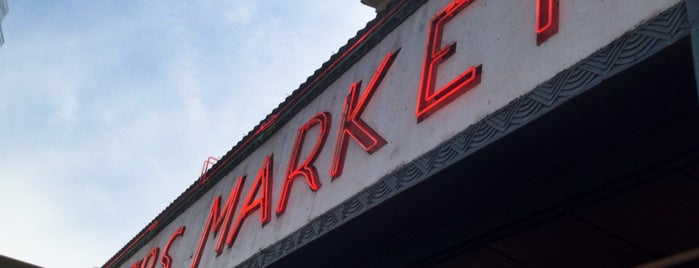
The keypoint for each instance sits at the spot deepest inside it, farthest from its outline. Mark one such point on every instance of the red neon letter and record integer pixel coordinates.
(261, 185)
(165, 259)
(429, 100)
(214, 222)
(136, 264)
(306, 169)
(351, 125)
(546, 19)
(151, 259)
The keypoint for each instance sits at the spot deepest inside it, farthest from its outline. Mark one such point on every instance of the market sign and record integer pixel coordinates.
(443, 68)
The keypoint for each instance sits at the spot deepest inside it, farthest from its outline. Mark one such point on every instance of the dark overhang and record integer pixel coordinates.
(8, 262)
(629, 107)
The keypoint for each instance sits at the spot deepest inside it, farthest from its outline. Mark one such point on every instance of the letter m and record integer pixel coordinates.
(217, 220)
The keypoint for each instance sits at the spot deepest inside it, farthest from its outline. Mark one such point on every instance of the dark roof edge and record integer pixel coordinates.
(15, 262)
(355, 48)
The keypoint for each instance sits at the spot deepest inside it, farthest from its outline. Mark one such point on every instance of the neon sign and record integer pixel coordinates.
(351, 125)
(429, 100)
(306, 169)
(225, 222)
(546, 20)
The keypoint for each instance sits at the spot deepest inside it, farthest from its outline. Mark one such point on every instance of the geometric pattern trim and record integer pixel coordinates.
(628, 50)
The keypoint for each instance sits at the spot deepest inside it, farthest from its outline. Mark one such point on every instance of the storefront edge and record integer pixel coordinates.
(616, 118)
(693, 17)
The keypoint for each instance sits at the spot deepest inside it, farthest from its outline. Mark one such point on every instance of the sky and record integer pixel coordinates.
(108, 108)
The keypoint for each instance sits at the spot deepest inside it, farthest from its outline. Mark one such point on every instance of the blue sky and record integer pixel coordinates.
(108, 108)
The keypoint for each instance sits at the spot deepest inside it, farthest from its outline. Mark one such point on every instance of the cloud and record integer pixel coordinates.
(45, 215)
(241, 15)
(242, 12)
(105, 117)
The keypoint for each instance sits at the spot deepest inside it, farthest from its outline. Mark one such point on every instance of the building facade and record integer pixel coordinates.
(463, 133)
(13, 263)
(3, 11)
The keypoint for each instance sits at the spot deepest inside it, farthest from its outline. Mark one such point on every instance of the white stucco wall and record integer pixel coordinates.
(497, 34)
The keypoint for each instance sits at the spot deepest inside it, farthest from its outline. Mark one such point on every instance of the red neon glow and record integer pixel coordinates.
(306, 169)
(248, 139)
(151, 259)
(265, 125)
(165, 259)
(429, 100)
(205, 167)
(351, 125)
(262, 186)
(216, 221)
(546, 20)
(152, 226)
(136, 264)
